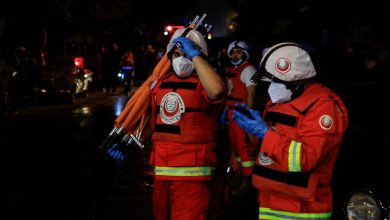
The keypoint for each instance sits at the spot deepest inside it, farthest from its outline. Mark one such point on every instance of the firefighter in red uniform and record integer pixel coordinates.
(185, 110)
(240, 90)
(299, 137)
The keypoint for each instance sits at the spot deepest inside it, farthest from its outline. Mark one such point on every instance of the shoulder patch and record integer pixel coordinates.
(326, 122)
(264, 160)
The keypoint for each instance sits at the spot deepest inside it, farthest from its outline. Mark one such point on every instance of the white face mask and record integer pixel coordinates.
(279, 93)
(237, 63)
(182, 66)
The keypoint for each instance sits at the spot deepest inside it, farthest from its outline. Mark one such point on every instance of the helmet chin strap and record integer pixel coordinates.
(296, 89)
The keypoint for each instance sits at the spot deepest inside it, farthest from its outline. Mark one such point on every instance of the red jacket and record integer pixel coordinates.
(184, 123)
(237, 89)
(239, 141)
(298, 153)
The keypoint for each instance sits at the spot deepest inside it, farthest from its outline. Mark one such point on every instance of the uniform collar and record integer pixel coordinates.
(307, 98)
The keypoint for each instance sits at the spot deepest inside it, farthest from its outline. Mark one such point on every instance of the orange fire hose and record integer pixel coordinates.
(133, 117)
(140, 101)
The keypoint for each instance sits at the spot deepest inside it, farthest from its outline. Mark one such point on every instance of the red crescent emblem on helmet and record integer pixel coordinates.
(282, 65)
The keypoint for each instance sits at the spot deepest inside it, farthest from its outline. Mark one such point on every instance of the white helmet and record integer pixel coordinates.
(193, 35)
(287, 62)
(238, 45)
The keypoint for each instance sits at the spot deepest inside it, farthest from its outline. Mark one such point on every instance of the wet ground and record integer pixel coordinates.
(52, 167)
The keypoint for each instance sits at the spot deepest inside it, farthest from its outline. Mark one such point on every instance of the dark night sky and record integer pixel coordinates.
(261, 22)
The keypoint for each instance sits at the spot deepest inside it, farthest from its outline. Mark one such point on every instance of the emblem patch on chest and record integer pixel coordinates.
(171, 107)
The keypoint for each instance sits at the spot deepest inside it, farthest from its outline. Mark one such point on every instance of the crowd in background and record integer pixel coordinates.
(105, 60)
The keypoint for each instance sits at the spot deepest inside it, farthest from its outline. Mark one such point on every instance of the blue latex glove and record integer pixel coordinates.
(223, 120)
(115, 152)
(256, 126)
(188, 47)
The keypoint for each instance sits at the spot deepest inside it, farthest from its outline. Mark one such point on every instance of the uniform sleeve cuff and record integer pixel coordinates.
(270, 140)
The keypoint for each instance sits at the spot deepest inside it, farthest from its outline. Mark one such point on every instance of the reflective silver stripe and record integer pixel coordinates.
(184, 171)
(267, 213)
(294, 155)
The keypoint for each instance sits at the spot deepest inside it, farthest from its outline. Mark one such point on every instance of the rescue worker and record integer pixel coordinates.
(185, 109)
(300, 133)
(7, 73)
(242, 90)
(127, 70)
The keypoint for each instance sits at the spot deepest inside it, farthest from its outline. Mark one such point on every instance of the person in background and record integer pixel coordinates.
(127, 71)
(242, 90)
(109, 67)
(7, 72)
(299, 133)
(151, 59)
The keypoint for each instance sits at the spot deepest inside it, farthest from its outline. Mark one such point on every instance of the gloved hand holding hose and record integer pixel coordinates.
(116, 152)
(255, 126)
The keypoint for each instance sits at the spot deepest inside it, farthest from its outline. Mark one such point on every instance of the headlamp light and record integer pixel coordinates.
(361, 206)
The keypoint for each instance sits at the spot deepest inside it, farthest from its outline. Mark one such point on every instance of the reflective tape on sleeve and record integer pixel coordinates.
(294, 157)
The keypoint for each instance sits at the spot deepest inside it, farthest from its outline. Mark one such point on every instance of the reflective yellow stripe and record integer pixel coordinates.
(248, 163)
(245, 163)
(184, 171)
(294, 157)
(267, 213)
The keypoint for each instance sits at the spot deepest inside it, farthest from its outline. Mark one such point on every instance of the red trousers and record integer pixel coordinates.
(180, 200)
(240, 145)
